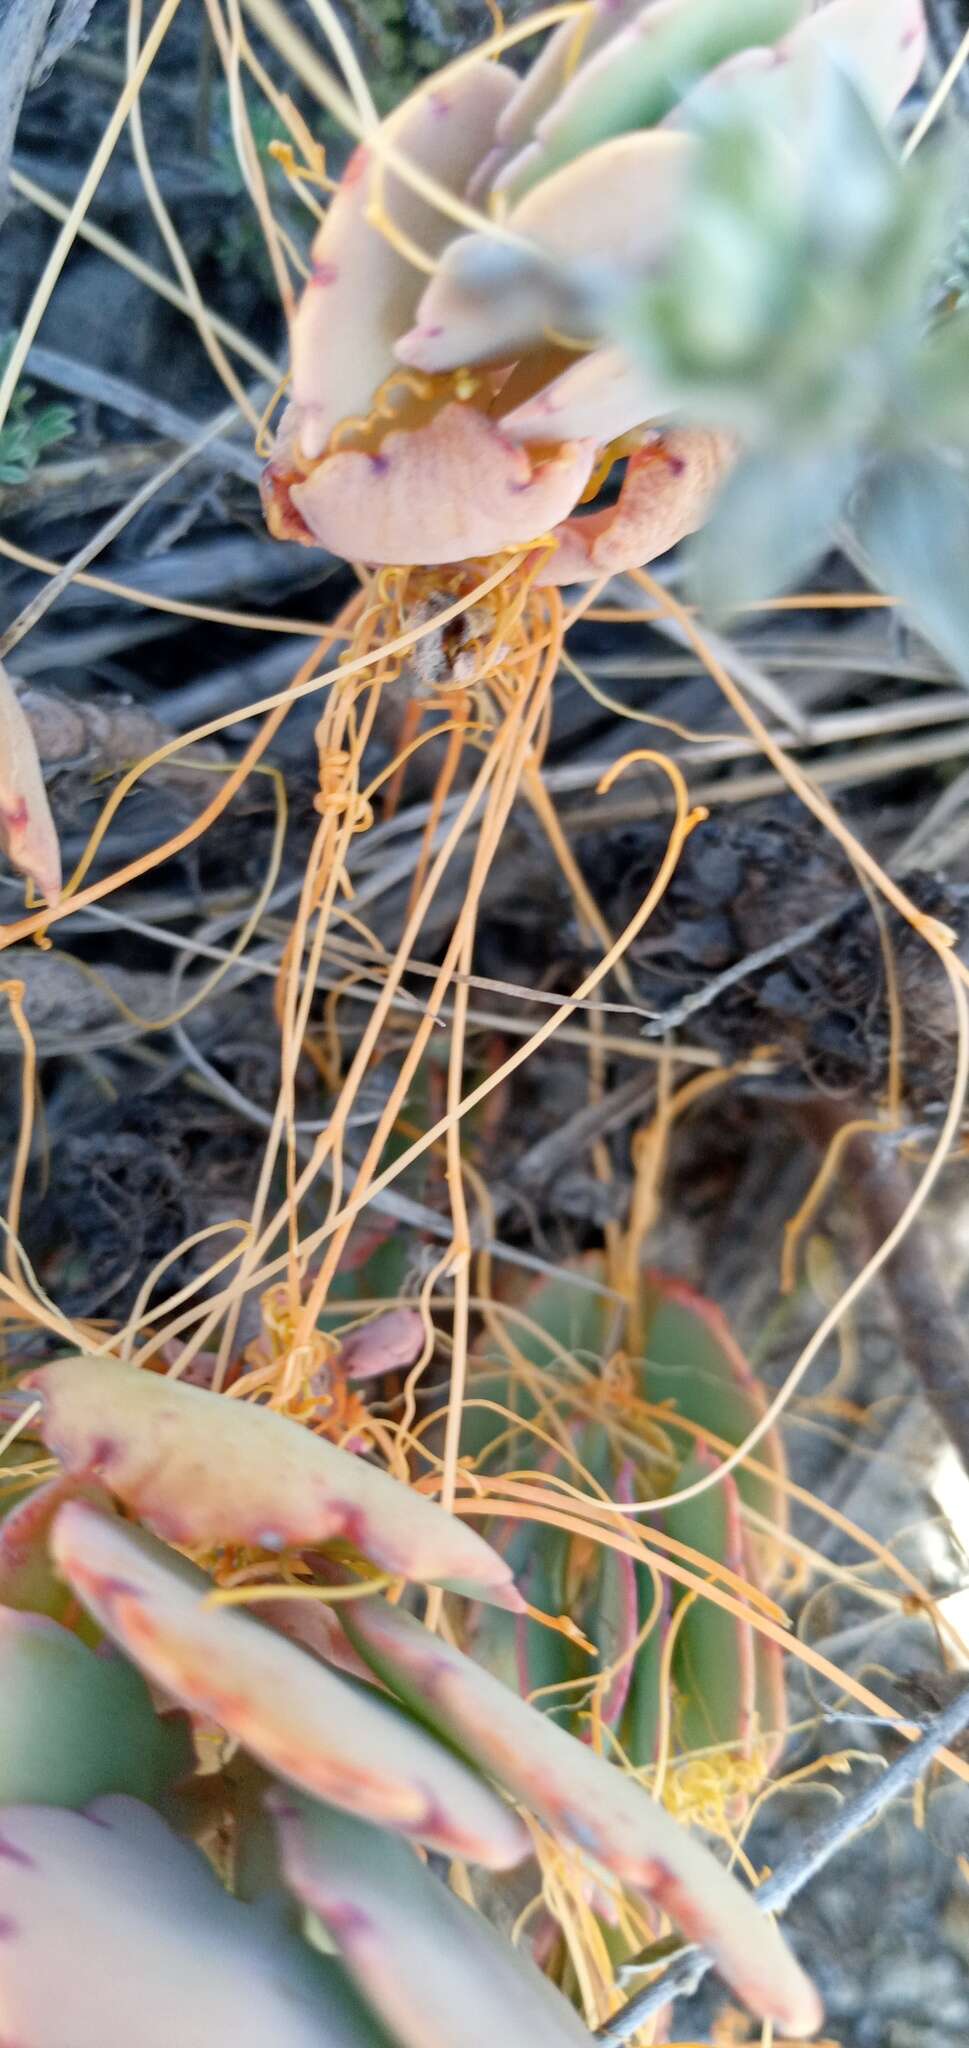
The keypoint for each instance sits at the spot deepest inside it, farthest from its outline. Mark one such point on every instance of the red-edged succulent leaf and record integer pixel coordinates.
(642, 1718)
(204, 1470)
(27, 1579)
(114, 1932)
(592, 1804)
(434, 1971)
(314, 1626)
(319, 1731)
(714, 1654)
(666, 493)
(27, 834)
(362, 289)
(616, 1616)
(409, 500)
(691, 1364)
(73, 1724)
(694, 1364)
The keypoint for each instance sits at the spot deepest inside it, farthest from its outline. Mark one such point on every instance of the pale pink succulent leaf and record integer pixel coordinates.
(601, 396)
(27, 834)
(204, 1470)
(592, 1804)
(363, 289)
(635, 81)
(486, 301)
(74, 1725)
(113, 1932)
(336, 1740)
(562, 54)
(665, 494)
(452, 489)
(881, 43)
(387, 1342)
(434, 1971)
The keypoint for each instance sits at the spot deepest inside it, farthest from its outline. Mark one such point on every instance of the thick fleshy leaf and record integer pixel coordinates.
(441, 492)
(912, 518)
(322, 1733)
(436, 1972)
(204, 1470)
(363, 290)
(27, 1579)
(115, 1933)
(636, 80)
(601, 396)
(666, 493)
(642, 1718)
(27, 834)
(692, 1365)
(387, 1342)
(611, 213)
(616, 1618)
(695, 1367)
(772, 522)
(73, 1724)
(562, 54)
(881, 43)
(714, 1655)
(591, 1803)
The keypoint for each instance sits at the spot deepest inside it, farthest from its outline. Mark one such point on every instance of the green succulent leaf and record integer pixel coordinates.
(714, 1653)
(911, 516)
(939, 395)
(421, 1958)
(643, 1713)
(74, 1724)
(116, 1932)
(773, 520)
(695, 1367)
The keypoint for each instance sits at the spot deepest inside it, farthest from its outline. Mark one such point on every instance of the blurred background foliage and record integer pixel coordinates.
(815, 301)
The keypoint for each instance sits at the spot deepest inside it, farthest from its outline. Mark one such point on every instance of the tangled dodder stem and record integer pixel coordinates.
(817, 1850)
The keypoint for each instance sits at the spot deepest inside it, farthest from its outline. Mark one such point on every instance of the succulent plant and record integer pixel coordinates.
(433, 421)
(333, 1734)
(649, 1409)
(29, 429)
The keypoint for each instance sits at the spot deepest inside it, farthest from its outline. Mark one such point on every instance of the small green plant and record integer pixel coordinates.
(29, 428)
